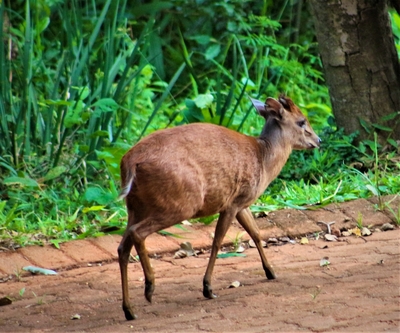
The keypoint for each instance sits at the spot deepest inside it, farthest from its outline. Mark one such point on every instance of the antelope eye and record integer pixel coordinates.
(302, 123)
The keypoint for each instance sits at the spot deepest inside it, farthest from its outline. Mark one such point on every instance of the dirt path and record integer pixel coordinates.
(357, 292)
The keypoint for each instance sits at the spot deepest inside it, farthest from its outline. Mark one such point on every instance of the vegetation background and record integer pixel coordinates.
(81, 81)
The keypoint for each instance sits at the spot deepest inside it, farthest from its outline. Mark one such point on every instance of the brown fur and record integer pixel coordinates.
(202, 169)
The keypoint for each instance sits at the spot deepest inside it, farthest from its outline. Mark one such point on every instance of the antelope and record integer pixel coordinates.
(198, 170)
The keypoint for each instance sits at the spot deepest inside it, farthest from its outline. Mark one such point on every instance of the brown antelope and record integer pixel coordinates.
(198, 170)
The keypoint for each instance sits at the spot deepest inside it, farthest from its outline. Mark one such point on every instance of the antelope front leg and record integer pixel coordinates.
(246, 219)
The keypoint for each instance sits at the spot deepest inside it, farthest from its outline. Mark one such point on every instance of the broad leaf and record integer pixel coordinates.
(29, 182)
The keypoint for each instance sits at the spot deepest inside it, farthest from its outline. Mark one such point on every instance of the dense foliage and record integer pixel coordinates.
(81, 81)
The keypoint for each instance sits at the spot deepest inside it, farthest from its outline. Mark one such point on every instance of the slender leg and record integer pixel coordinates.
(124, 250)
(135, 235)
(138, 240)
(139, 232)
(224, 221)
(246, 219)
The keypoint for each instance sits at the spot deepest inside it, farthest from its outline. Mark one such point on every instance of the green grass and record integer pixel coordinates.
(52, 218)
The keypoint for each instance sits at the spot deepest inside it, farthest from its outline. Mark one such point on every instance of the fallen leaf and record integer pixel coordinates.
(387, 226)
(356, 231)
(263, 243)
(272, 241)
(186, 250)
(330, 238)
(234, 284)
(240, 249)
(365, 231)
(180, 254)
(6, 278)
(304, 240)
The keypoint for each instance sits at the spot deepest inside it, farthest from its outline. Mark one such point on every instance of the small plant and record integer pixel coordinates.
(18, 274)
(377, 174)
(22, 292)
(360, 221)
(316, 292)
(396, 214)
(237, 241)
(39, 300)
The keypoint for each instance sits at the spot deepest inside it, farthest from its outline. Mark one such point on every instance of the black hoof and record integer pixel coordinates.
(270, 273)
(129, 315)
(207, 293)
(148, 291)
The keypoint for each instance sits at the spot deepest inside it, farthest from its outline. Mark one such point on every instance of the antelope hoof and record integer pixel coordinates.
(207, 292)
(148, 291)
(269, 272)
(129, 315)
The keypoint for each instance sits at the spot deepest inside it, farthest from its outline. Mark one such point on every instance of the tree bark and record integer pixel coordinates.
(361, 64)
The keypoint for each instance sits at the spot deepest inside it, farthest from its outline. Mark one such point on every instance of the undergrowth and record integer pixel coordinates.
(84, 80)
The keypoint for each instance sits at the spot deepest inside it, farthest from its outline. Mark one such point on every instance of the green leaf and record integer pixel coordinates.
(105, 155)
(54, 173)
(99, 134)
(83, 92)
(42, 24)
(373, 189)
(58, 102)
(212, 51)
(203, 101)
(365, 125)
(73, 217)
(167, 233)
(84, 148)
(29, 182)
(201, 39)
(383, 128)
(393, 142)
(390, 116)
(289, 204)
(92, 209)
(2, 205)
(105, 105)
(73, 116)
(97, 195)
(56, 243)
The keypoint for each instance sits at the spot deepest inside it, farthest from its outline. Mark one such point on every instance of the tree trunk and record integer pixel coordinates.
(361, 64)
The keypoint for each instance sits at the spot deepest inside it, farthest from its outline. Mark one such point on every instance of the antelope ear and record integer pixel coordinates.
(274, 108)
(260, 106)
(284, 102)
